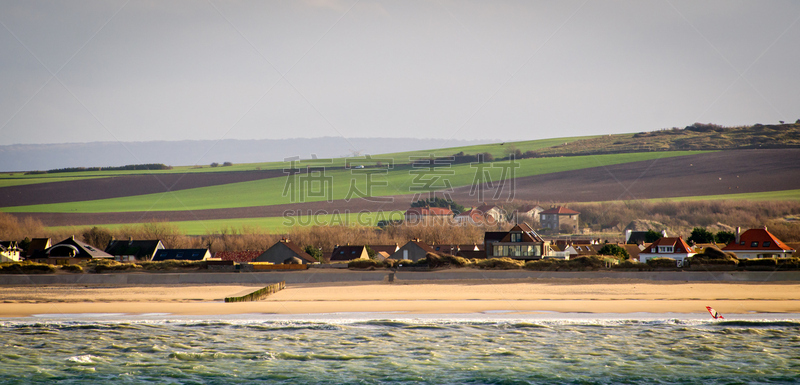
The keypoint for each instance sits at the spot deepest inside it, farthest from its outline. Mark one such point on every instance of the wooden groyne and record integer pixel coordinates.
(259, 294)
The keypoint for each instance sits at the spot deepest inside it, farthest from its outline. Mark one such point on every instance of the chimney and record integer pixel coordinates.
(738, 234)
(664, 233)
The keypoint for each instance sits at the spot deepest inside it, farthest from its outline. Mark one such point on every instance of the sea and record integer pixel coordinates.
(399, 348)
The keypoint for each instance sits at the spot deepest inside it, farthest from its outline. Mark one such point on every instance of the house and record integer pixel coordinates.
(667, 247)
(134, 250)
(285, 251)
(492, 211)
(388, 249)
(560, 218)
(521, 242)
(526, 212)
(10, 251)
(475, 217)
(182, 255)
(37, 245)
(69, 251)
(639, 237)
(758, 243)
(238, 256)
(414, 250)
(417, 214)
(348, 253)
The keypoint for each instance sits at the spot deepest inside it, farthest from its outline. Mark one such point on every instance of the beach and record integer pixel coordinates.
(513, 296)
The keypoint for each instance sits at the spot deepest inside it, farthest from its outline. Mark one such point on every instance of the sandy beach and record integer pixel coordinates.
(421, 297)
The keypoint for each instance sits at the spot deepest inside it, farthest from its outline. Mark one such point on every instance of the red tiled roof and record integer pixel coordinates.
(238, 256)
(679, 246)
(560, 210)
(429, 211)
(760, 237)
(477, 216)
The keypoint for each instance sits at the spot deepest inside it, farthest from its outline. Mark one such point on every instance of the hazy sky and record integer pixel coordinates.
(107, 70)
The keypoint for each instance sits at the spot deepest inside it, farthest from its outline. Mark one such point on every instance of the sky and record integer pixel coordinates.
(140, 70)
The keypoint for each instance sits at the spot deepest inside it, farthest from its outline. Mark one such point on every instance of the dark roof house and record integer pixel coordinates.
(414, 250)
(134, 250)
(69, 251)
(521, 242)
(284, 251)
(348, 253)
(182, 255)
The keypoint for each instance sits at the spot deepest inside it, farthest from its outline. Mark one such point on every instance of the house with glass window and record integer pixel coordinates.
(758, 243)
(667, 247)
(521, 242)
(560, 219)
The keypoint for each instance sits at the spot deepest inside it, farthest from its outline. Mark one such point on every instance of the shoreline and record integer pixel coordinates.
(510, 297)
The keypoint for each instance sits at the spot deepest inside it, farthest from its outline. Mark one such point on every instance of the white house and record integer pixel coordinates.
(675, 248)
(758, 243)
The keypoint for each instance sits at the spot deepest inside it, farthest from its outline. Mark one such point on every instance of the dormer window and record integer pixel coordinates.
(516, 237)
(766, 244)
(754, 244)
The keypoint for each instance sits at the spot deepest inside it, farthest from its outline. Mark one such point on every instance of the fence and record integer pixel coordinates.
(259, 294)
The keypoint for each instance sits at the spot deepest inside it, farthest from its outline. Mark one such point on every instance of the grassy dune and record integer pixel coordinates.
(270, 191)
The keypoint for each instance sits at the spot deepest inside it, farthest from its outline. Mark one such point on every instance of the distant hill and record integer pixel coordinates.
(695, 137)
(25, 157)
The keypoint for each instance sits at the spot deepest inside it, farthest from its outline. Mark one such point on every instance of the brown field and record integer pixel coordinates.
(724, 172)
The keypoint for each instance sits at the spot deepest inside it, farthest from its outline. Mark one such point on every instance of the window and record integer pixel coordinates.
(544, 216)
(516, 237)
(664, 249)
(766, 244)
(754, 244)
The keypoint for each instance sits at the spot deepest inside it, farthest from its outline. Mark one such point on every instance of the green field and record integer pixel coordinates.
(783, 195)
(270, 191)
(271, 225)
(497, 150)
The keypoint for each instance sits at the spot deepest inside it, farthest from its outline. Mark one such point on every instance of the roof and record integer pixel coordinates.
(296, 249)
(180, 254)
(347, 253)
(138, 248)
(679, 246)
(82, 249)
(453, 249)
(528, 235)
(529, 208)
(38, 244)
(485, 208)
(389, 249)
(429, 211)
(238, 256)
(421, 245)
(477, 216)
(560, 210)
(494, 236)
(763, 240)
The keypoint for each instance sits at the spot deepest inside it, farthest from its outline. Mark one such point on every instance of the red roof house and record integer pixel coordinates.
(667, 247)
(758, 243)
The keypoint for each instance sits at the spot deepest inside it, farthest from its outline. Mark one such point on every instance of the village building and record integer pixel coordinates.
(524, 213)
(182, 255)
(37, 245)
(238, 256)
(348, 253)
(560, 219)
(285, 252)
(521, 242)
(475, 217)
(10, 251)
(667, 247)
(69, 251)
(758, 243)
(414, 250)
(134, 250)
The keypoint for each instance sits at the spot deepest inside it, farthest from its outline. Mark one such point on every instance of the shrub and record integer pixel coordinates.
(662, 263)
(172, 265)
(116, 266)
(591, 262)
(614, 250)
(788, 263)
(226, 164)
(214, 164)
(631, 264)
(364, 264)
(391, 263)
(446, 260)
(504, 263)
(759, 264)
(71, 268)
(546, 264)
(26, 268)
